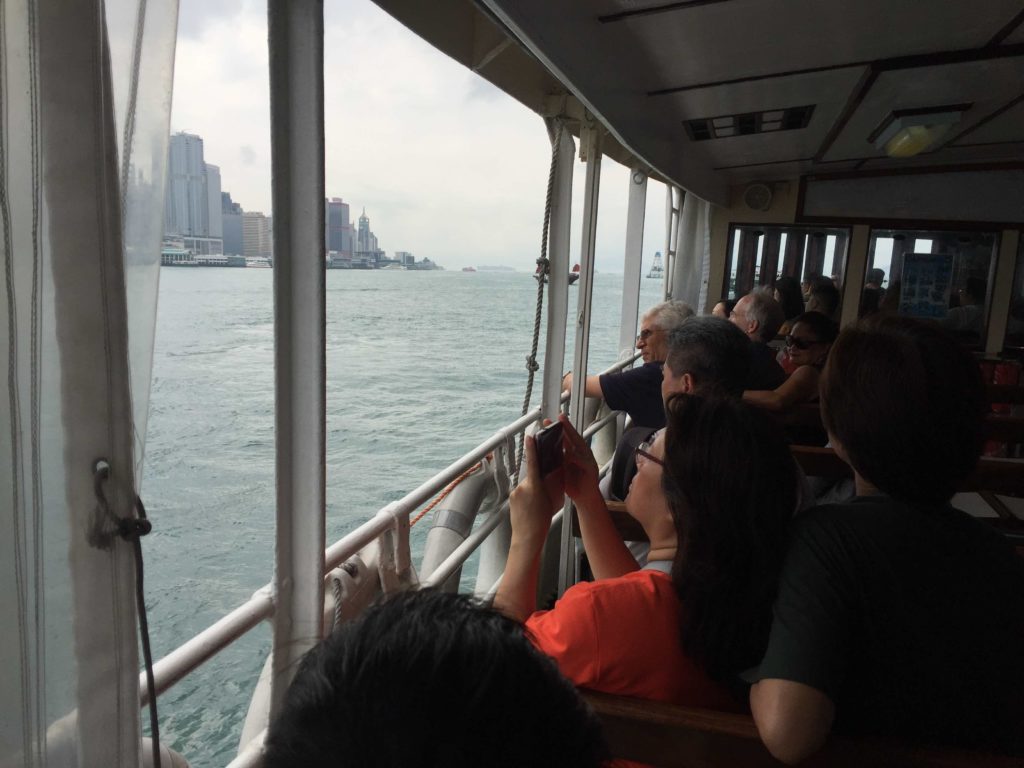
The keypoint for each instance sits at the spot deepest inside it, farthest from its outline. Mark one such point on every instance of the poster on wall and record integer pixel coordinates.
(927, 280)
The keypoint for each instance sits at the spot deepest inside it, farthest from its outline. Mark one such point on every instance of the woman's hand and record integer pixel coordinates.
(580, 467)
(533, 502)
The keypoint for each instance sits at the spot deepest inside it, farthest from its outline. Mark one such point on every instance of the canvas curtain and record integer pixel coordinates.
(85, 100)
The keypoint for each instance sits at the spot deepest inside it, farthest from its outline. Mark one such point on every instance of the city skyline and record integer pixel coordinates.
(450, 168)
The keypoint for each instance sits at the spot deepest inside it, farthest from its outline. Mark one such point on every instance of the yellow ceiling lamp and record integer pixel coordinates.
(908, 132)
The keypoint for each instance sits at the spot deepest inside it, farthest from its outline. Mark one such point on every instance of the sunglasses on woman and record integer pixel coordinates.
(793, 341)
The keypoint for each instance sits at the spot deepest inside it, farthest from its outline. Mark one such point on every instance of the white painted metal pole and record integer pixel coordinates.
(297, 149)
(671, 211)
(590, 147)
(558, 284)
(1002, 291)
(635, 211)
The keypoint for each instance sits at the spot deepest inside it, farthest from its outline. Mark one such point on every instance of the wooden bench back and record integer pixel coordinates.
(669, 736)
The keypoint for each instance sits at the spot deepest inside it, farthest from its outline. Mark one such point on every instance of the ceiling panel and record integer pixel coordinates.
(744, 38)
(988, 85)
(1016, 37)
(827, 91)
(1008, 126)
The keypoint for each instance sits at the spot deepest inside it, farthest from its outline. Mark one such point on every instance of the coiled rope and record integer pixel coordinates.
(448, 489)
(555, 129)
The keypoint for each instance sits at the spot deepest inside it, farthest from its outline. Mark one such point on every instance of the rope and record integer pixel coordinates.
(544, 268)
(445, 493)
(132, 529)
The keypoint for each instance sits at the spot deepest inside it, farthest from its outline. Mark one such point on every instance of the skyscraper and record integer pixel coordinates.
(231, 222)
(338, 234)
(192, 209)
(256, 234)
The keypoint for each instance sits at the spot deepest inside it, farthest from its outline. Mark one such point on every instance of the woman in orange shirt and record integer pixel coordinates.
(714, 492)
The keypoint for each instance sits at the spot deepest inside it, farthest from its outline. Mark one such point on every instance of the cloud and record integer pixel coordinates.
(447, 166)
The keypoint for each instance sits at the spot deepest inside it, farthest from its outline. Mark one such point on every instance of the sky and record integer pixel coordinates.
(446, 165)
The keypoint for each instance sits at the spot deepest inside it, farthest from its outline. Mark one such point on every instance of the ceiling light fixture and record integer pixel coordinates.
(907, 132)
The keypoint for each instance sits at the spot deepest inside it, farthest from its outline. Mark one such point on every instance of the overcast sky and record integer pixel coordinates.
(447, 166)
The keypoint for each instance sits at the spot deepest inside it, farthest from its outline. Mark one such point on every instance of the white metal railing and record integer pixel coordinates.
(199, 649)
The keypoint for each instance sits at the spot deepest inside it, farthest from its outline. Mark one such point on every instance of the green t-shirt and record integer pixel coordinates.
(910, 619)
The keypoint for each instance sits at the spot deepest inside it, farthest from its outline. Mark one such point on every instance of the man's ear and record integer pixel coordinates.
(689, 386)
(753, 326)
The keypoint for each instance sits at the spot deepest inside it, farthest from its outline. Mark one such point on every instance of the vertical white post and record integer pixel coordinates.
(635, 210)
(297, 144)
(590, 148)
(558, 282)
(856, 269)
(673, 207)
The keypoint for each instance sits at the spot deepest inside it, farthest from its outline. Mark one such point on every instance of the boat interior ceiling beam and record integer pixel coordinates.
(559, 232)
(590, 147)
(636, 208)
(297, 162)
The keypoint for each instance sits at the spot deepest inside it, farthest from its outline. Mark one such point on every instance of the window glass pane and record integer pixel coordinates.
(942, 275)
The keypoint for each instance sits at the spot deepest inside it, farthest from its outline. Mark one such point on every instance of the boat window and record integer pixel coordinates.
(943, 275)
(759, 255)
(1015, 323)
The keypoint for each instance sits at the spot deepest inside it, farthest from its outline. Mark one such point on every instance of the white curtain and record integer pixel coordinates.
(85, 99)
(692, 263)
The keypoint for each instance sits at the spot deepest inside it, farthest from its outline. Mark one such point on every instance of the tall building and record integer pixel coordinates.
(256, 239)
(231, 224)
(192, 209)
(367, 248)
(338, 230)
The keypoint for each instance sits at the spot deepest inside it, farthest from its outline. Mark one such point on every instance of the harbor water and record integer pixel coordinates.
(421, 367)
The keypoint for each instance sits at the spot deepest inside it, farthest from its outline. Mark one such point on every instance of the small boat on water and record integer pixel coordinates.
(258, 262)
(469, 269)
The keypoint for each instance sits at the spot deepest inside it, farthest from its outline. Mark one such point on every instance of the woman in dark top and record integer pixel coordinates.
(897, 615)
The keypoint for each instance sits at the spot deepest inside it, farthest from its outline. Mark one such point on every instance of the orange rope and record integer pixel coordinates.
(444, 494)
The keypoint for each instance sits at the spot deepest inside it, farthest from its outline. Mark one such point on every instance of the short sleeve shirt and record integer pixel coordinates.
(622, 636)
(636, 391)
(910, 619)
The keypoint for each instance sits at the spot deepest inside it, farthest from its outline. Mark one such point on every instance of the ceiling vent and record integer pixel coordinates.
(769, 121)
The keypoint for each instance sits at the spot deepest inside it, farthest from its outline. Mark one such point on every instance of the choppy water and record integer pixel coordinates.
(421, 366)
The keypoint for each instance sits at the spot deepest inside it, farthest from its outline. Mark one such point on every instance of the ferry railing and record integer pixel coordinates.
(391, 519)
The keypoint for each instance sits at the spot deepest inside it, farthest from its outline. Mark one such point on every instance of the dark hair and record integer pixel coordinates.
(870, 299)
(428, 678)
(824, 328)
(826, 296)
(906, 403)
(731, 484)
(875, 275)
(792, 298)
(715, 352)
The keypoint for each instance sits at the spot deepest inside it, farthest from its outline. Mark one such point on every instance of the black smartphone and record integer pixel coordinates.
(549, 448)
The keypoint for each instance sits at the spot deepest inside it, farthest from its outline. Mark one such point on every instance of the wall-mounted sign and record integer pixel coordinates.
(927, 280)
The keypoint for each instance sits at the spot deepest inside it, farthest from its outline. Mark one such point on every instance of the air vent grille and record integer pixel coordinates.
(769, 121)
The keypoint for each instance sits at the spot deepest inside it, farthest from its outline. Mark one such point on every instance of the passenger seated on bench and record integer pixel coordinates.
(435, 680)
(714, 493)
(637, 391)
(807, 345)
(897, 615)
(706, 355)
(759, 316)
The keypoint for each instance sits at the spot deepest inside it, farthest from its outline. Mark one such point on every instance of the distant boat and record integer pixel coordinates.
(469, 269)
(574, 275)
(258, 261)
(656, 269)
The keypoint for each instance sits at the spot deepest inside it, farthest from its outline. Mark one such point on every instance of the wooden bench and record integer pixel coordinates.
(669, 736)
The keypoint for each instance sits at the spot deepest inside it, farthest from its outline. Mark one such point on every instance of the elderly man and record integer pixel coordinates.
(637, 391)
(760, 316)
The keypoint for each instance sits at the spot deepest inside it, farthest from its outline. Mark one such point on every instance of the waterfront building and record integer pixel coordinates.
(192, 207)
(338, 229)
(256, 237)
(405, 258)
(231, 224)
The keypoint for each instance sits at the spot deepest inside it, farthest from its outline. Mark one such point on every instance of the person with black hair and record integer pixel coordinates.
(427, 679)
(824, 298)
(682, 628)
(790, 298)
(897, 615)
(807, 345)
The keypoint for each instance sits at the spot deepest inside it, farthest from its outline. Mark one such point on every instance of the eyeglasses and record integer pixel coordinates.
(646, 333)
(793, 341)
(643, 454)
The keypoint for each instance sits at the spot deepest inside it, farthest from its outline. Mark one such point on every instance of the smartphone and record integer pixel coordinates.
(549, 448)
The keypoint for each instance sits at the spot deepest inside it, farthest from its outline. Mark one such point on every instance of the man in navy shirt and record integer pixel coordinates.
(637, 391)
